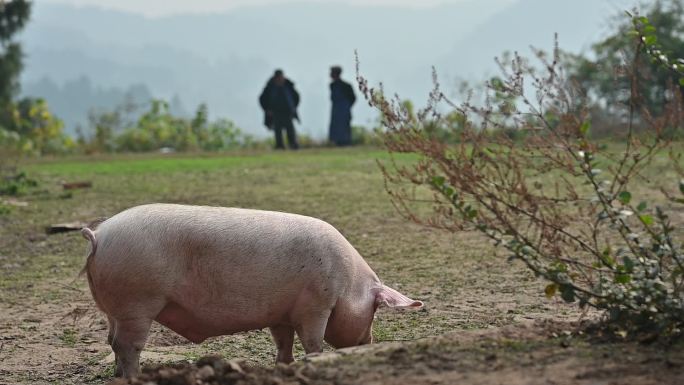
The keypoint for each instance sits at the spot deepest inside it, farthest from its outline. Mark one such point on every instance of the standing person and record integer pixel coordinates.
(279, 100)
(342, 96)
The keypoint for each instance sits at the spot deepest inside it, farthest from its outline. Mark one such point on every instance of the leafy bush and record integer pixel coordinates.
(560, 203)
(11, 145)
(4, 209)
(158, 129)
(221, 135)
(17, 184)
(30, 128)
(361, 136)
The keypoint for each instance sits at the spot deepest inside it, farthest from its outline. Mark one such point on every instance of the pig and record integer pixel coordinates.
(208, 271)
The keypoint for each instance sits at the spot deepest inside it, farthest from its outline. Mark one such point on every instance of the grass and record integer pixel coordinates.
(111, 165)
(69, 337)
(463, 281)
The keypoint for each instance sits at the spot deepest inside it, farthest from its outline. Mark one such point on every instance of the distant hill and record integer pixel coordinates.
(225, 59)
(578, 23)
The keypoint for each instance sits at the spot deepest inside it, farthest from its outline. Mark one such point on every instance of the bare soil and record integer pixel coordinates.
(527, 353)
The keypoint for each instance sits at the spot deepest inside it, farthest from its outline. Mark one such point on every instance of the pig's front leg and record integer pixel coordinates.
(283, 336)
(311, 330)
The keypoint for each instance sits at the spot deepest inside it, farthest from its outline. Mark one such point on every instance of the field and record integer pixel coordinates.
(486, 320)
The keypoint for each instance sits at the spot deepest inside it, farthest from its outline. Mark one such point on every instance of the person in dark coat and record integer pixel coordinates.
(279, 100)
(342, 96)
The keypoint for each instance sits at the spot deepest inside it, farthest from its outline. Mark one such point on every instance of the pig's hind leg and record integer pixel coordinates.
(128, 341)
(110, 341)
(283, 336)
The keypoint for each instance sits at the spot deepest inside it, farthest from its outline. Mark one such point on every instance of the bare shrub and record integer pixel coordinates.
(526, 174)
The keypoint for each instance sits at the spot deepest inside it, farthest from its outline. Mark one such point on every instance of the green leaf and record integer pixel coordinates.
(623, 278)
(584, 128)
(551, 290)
(642, 206)
(649, 30)
(646, 219)
(438, 181)
(629, 264)
(567, 293)
(681, 82)
(650, 40)
(625, 197)
(607, 258)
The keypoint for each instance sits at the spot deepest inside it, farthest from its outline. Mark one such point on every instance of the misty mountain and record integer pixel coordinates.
(225, 59)
(532, 23)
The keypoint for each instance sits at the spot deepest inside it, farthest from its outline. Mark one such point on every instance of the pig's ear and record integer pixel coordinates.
(386, 296)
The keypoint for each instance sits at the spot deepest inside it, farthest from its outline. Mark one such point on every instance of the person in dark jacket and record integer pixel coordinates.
(279, 100)
(342, 96)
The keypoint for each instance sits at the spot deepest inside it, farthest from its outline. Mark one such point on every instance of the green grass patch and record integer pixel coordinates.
(180, 163)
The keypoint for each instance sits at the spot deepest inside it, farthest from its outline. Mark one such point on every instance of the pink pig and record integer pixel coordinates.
(209, 271)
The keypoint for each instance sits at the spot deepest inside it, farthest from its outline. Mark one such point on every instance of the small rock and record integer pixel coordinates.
(234, 365)
(166, 373)
(672, 364)
(216, 362)
(14, 202)
(205, 372)
(285, 369)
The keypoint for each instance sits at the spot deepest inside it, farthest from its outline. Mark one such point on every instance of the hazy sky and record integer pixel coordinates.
(166, 7)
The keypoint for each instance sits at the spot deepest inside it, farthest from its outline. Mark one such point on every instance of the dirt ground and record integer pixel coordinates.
(526, 353)
(486, 321)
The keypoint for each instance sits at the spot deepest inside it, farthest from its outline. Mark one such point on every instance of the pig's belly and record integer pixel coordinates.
(199, 324)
